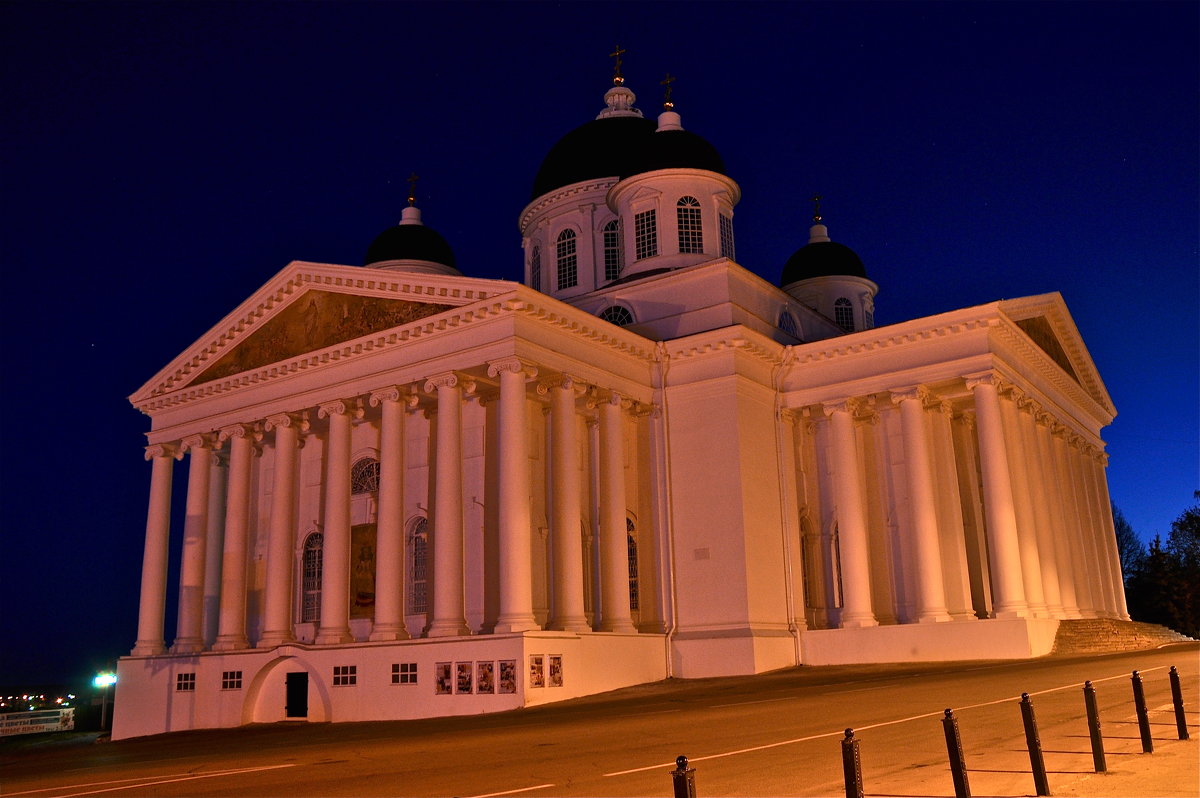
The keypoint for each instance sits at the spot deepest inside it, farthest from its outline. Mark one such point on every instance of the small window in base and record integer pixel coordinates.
(404, 673)
(231, 680)
(185, 682)
(344, 675)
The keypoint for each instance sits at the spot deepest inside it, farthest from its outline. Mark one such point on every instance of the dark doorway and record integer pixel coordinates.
(297, 695)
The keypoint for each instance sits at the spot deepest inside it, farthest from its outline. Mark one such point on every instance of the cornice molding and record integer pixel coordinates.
(862, 342)
(546, 201)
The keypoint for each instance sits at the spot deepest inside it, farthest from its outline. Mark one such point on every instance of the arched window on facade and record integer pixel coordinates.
(418, 566)
(727, 238)
(612, 250)
(364, 476)
(632, 549)
(843, 314)
(535, 268)
(615, 314)
(787, 323)
(568, 268)
(691, 233)
(645, 234)
(310, 578)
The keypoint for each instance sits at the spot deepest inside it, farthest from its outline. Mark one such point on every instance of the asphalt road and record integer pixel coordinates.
(775, 734)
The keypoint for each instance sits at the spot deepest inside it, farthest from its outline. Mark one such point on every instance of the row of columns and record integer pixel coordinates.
(1051, 546)
(448, 609)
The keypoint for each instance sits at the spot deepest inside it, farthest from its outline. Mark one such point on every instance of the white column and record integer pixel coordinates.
(1098, 461)
(952, 534)
(449, 606)
(851, 518)
(614, 548)
(1055, 509)
(565, 507)
(931, 591)
(281, 537)
(1096, 567)
(214, 549)
(1008, 589)
(1041, 495)
(334, 627)
(151, 607)
(1031, 569)
(1075, 567)
(231, 631)
(389, 579)
(516, 564)
(189, 633)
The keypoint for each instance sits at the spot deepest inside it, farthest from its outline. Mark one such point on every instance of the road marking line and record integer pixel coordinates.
(870, 726)
(760, 701)
(654, 712)
(512, 792)
(143, 783)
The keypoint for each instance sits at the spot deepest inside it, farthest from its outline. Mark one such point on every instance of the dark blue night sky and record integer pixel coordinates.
(161, 161)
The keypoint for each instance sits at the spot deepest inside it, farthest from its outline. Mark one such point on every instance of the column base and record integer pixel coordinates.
(1009, 613)
(934, 617)
(858, 620)
(273, 639)
(448, 629)
(231, 643)
(387, 632)
(333, 636)
(148, 648)
(576, 624)
(516, 624)
(187, 645)
(623, 628)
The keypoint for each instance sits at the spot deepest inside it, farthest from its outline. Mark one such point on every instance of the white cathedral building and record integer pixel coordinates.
(415, 493)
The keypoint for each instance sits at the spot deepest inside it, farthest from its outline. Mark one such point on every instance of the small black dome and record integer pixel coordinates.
(410, 242)
(675, 149)
(822, 259)
(601, 148)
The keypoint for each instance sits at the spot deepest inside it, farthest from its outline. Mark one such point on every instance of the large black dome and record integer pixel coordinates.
(601, 148)
(409, 242)
(621, 146)
(822, 259)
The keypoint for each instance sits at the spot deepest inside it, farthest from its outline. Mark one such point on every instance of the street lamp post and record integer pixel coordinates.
(105, 680)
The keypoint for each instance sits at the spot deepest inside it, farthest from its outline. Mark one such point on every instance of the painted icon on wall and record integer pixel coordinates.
(508, 676)
(537, 673)
(465, 677)
(444, 683)
(556, 676)
(485, 677)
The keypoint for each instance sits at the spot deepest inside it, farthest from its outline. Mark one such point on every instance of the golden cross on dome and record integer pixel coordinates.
(667, 81)
(618, 79)
(817, 209)
(412, 189)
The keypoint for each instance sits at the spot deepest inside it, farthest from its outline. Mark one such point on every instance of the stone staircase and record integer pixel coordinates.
(1099, 635)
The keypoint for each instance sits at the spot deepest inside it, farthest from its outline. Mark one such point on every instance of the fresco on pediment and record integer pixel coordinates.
(316, 320)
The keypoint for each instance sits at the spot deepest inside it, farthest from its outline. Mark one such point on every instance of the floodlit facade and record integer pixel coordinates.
(414, 493)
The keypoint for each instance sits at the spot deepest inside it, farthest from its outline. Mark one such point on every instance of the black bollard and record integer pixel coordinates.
(1177, 700)
(958, 763)
(1093, 720)
(1143, 717)
(852, 766)
(684, 778)
(1034, 743)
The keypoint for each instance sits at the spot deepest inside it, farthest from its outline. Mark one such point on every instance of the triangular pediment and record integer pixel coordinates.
(1044, 319)
(309, 308)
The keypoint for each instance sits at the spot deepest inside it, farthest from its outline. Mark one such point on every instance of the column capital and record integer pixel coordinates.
(919, 392)
(340, 407)
(163, 450)
(511, 364)
(988, 377)
(1044, 418)
(447, 379)
(854, 405)
(605, 396)
(201, 440)
(565, 381)
(967, 416)
(391, 393)
(240, 431)
(286, 420)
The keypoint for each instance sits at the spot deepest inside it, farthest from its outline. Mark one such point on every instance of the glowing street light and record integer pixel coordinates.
(105, 680)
